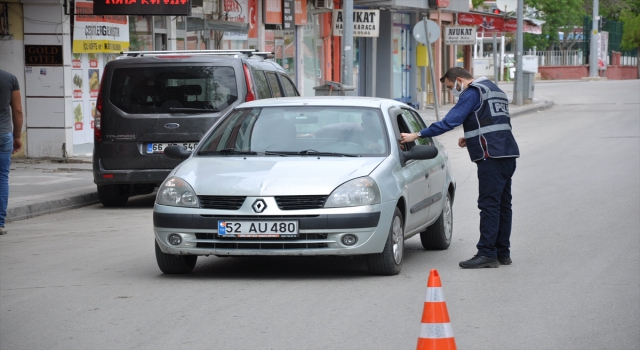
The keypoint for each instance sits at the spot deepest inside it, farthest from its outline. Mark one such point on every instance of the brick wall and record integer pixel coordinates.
(579, 72)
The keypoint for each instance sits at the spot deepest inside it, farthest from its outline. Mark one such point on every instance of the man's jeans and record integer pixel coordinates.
(6, 147)
(494, 202)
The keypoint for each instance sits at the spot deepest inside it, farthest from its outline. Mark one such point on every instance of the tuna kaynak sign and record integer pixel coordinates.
(365, 23)
(459, 35)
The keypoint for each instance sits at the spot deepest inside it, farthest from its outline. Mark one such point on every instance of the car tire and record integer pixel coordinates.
(389, 262)
(113, 195)
(438, 235)
(175, 264)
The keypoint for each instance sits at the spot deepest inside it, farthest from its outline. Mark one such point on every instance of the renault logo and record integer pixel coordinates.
(259, 206)
(172, 125)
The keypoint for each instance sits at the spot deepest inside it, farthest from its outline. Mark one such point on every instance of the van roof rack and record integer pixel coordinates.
(247, 52)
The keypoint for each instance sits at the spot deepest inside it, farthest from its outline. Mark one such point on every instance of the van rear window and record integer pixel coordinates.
(150, 90)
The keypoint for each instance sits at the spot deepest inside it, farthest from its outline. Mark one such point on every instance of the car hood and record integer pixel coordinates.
(271, 176)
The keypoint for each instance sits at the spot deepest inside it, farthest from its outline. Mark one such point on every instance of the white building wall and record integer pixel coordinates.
(48, 89)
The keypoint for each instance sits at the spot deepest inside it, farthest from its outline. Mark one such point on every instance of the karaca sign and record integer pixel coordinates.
(96, 34)
(366, 23)
(495, 24)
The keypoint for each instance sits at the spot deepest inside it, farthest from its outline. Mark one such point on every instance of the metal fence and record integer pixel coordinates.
(560, 58)
(628, 60)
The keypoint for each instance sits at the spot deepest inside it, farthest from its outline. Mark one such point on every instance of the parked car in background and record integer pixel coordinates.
(306, 176)
(150, 100)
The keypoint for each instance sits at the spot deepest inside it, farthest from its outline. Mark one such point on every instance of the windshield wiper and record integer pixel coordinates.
(228, 151)
(279, 153)
(193, 110)
(334, 154)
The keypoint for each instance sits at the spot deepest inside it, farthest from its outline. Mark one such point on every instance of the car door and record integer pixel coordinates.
(435, 174)
(414, 172)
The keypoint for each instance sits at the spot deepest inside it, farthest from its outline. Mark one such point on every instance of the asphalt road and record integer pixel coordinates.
(87, 278)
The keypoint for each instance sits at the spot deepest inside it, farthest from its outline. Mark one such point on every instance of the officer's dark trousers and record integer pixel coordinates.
(494, 202)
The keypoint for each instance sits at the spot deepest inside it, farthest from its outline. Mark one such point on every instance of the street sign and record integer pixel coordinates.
(460, 35)
(366, 23)
(420, 34)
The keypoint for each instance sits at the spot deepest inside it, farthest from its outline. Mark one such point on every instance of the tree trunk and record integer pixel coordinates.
(638, 60)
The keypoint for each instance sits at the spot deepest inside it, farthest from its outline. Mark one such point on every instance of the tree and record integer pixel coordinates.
(560, 16)
(627, 12)
(630, 18)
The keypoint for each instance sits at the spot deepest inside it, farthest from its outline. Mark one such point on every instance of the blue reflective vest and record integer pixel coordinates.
(488, 129)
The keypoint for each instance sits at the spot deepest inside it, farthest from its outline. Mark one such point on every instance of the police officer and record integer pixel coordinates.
(483, 111)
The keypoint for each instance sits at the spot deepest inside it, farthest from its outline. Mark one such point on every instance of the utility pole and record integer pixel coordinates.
(347, 43)
(431, 65)
(517, 86)
(593, 56)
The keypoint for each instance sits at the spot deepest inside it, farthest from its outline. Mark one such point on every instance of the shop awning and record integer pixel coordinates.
(489, 23)
(197, 24)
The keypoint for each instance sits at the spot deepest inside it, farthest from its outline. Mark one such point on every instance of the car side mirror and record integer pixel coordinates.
(420, 152)
(176, 152)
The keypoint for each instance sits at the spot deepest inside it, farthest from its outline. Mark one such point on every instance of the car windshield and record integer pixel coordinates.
(299, 130)
(173, 89)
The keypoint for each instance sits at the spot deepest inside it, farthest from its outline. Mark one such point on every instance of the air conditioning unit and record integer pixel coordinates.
(323, 4)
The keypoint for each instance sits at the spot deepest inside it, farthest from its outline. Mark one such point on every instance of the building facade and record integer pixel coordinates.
(47, 45)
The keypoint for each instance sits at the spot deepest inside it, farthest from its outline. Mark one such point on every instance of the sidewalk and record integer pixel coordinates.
(44, 186)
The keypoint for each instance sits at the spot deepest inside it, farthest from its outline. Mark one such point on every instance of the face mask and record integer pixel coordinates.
(455, 90)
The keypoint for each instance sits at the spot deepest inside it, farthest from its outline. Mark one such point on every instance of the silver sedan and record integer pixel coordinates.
(306, 176)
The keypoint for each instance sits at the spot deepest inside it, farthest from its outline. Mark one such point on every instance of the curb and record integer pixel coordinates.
(533, 108)
(52, 206)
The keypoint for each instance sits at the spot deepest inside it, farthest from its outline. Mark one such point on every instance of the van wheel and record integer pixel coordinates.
(113, 195)
(438, 235)
(175, 264)
(389, 262)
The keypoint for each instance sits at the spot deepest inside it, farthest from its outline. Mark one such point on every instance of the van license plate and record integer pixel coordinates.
(159, 147)
(257, 228)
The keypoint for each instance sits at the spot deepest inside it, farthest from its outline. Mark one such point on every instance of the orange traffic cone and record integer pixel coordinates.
(435, 331)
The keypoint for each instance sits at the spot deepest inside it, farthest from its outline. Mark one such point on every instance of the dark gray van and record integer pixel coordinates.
(148, 101)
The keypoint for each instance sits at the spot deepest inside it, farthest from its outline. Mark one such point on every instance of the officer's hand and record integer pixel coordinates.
(404, 138)
(462, 142)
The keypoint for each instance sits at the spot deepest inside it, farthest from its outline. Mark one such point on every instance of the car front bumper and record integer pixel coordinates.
(320, 231)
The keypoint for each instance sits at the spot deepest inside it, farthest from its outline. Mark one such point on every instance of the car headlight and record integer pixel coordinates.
(177, 192)
(357, 192)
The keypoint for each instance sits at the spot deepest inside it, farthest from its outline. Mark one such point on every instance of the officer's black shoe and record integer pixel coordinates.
(479, 261)
(505, 260)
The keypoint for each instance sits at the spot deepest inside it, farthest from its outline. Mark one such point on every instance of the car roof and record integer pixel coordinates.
(346, 101)
(187, 58)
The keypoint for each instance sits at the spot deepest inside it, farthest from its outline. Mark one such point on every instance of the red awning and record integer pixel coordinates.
(488, 23)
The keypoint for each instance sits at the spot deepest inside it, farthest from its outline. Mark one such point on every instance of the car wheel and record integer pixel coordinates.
(113, 195)
(389, 262)
(175, 264)
(438, 235)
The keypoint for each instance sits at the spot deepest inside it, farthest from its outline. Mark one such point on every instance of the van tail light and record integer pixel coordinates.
(251, 92)
(97, 119)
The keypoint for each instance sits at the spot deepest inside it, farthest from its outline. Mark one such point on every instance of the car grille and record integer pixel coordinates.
(221, 202)
(267, 243)
(300, 202)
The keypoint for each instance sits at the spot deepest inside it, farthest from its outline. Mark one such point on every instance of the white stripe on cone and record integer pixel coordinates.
(436, 330)
(434, 294)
